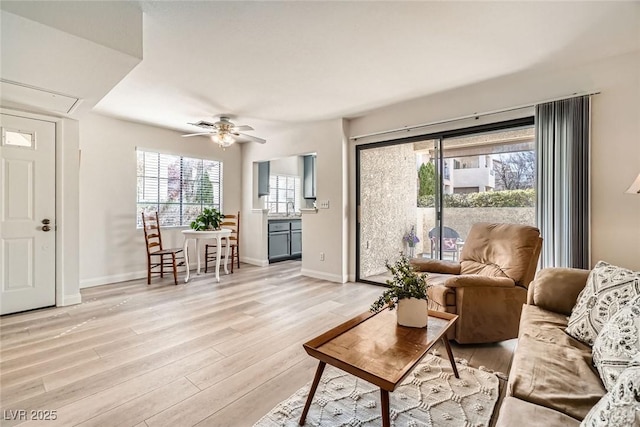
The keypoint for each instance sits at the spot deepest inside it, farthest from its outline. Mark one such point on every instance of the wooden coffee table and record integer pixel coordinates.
(374, 348)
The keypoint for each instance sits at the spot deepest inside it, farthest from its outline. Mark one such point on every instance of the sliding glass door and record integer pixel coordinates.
(420, 196)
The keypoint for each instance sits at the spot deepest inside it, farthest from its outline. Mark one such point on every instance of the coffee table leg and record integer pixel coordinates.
(384, 399)
(314, 386)
(453, 362)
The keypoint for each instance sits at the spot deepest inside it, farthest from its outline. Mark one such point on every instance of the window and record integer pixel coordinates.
(283, 189)
(177, 187)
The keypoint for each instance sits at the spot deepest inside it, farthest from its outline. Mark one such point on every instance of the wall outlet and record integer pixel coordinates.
(321, 256)
(324, 204)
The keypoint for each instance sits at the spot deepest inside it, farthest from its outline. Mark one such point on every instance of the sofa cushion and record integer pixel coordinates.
(608, 288)
(557, 289)
(554, 370)
(537, 322)
(617, 343)
(619, 407)
(516, 412)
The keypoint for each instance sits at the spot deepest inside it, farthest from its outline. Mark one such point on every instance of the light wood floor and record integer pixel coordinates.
(205, 353)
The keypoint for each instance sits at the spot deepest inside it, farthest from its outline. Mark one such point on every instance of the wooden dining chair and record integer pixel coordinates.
(157, 256)
(231, 222)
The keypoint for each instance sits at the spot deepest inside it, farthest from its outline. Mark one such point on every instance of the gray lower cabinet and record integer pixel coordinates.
(285, 239)
(279, 245)
(296, 243)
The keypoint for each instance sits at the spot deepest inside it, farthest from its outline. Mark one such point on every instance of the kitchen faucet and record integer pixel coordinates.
(293, 208)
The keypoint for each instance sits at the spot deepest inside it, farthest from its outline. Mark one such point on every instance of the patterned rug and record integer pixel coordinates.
(430, 396)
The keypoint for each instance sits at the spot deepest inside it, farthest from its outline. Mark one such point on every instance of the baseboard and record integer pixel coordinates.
(70, 300)
(114, 278)
(324, 276)
(255, 261)
(124, 277)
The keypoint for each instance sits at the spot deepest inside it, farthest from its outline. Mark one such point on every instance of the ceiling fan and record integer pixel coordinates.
(224, 132)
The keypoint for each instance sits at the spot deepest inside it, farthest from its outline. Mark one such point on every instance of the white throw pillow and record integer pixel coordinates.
(618, 343)
(620, 406)
(608, 288)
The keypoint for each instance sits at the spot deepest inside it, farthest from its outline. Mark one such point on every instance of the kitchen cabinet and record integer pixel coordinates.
(263, 178)
(285, 239)
(309, 177)
(296, 238)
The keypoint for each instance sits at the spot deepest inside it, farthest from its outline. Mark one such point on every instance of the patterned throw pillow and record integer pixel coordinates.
(620, 406)
(608, 288)
(618, 343)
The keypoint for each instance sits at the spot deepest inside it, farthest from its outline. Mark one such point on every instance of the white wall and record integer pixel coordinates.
(286, 166)
(111, 248)
(615, 149)
(325, 231)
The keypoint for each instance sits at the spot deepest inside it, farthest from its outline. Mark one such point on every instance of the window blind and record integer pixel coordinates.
(283, 189)
(177, 187)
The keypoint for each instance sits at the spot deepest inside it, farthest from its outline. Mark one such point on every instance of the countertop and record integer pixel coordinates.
(284, 217)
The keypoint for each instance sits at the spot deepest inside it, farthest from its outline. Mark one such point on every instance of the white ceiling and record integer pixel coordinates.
(304, 61)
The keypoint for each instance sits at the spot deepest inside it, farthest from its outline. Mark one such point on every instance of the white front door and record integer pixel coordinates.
(27, 214)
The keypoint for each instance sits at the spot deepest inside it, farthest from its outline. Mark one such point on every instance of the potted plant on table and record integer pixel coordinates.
(408, 291)
(209, 219)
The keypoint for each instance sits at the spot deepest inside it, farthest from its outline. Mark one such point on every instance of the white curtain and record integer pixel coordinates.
(562, 144)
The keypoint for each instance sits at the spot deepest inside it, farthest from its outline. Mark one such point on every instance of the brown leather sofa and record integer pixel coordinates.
(488, 287)
(552, 382)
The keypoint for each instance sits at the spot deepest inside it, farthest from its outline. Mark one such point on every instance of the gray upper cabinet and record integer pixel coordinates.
(310, 177)
(263, 179)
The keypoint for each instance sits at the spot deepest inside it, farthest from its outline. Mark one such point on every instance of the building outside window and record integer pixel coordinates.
(177, 187)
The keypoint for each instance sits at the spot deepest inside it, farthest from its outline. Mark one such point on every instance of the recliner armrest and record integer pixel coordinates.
(557, 289)
(435, 266)
(472, 280)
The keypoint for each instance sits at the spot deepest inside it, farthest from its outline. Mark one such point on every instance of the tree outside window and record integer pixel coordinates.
(177, 187)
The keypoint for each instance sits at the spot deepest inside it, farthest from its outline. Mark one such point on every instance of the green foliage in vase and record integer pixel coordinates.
(209, 219)
(406, 283)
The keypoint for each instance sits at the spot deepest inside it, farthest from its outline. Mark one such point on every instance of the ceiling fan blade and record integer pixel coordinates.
(242, 127)
(203, 124)
(251, 138)
(195, 134)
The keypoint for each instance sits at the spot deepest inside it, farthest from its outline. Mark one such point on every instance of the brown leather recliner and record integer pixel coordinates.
(488, 287)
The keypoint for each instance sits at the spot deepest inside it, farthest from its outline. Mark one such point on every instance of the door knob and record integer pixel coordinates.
(46, 221)
(46, 228)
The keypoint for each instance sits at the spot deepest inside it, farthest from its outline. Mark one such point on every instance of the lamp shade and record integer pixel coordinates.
(635, 187)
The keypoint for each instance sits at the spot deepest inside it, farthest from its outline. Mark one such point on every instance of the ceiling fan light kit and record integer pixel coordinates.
(224, 132)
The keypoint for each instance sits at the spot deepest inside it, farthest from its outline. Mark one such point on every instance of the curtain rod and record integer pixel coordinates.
(470, 116)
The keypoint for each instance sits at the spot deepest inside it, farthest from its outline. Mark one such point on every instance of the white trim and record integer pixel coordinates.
(70, 300)
(255, 261)
(134, 275)
(323, 276)
(352, 278)
(114, 278)
(67, 201)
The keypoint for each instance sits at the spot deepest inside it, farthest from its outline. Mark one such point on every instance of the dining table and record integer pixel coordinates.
(198, 235)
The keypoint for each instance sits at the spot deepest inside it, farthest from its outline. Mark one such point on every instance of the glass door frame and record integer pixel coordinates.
(438, 137)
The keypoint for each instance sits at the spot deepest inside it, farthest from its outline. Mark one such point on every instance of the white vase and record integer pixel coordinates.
(413, 312)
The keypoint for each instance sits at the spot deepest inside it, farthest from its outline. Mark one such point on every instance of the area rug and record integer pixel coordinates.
(430, 396)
